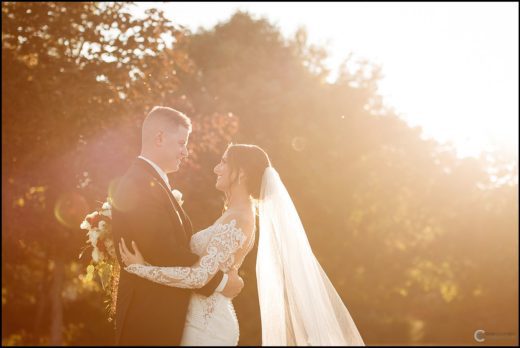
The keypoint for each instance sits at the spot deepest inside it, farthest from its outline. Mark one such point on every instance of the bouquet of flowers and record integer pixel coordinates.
(103, 260)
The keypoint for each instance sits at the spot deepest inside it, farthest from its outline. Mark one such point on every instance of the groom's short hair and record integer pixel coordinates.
(169, 116)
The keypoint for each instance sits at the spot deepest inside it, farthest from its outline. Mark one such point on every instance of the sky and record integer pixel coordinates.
(450, 68)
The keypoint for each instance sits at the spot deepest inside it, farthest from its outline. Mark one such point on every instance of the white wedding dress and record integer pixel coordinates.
(210, 321)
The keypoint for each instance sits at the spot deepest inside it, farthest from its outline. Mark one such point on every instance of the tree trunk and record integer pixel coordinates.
(42, 303)
(57, 306)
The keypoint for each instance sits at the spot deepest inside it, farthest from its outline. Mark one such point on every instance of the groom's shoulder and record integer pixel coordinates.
(134, 176)
(130, 188)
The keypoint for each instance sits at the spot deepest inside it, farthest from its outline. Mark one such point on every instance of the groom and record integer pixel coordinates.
(145, 211)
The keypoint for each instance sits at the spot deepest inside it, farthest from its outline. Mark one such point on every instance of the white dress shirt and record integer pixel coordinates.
(163, 175)
(159, 170)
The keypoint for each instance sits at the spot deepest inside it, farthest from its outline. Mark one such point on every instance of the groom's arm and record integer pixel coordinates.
(217, 283)
(146, 233)
(143, 218)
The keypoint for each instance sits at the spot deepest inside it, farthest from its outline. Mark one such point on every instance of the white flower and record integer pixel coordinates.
(178, 196)
(106, 209)
(96, 255)
(101, 225)
(85, 225)
(93, 236)
(107, 213)
(92, 215)
(106, 206)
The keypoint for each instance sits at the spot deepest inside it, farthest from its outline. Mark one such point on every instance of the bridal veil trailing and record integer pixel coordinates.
(298, 303)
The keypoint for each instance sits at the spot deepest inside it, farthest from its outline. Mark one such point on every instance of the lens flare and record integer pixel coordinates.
(298, 144)
(70, 209)
(112, 186)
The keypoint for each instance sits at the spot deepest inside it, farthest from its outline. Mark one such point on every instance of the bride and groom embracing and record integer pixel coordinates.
(176, 286)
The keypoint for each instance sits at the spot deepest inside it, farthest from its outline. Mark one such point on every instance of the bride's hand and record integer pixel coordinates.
(127, 256)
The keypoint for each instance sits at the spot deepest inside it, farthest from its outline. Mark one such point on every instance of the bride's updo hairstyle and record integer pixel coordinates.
(252, 160)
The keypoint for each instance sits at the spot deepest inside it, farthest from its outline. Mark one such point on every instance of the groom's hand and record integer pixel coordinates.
(234, 284)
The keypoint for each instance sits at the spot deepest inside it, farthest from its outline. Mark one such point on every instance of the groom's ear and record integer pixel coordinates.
(159, 138)
(241, 174)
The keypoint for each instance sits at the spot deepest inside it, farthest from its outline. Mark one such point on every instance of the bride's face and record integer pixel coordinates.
(223, 174)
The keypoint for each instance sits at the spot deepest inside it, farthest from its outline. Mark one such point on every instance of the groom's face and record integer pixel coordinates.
(175, 148)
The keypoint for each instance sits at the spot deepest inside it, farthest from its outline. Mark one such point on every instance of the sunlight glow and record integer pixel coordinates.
(450, 68)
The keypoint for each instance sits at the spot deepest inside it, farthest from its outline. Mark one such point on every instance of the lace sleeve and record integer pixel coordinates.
(226, 239)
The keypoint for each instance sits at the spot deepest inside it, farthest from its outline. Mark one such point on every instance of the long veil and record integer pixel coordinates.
(298, 303)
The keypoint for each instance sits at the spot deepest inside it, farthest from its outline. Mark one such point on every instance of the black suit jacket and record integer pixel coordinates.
(145, 211)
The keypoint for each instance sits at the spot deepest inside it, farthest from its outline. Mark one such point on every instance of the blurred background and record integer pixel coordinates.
(406, 183)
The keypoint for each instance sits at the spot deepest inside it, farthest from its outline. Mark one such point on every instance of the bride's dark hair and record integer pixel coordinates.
(253, 160)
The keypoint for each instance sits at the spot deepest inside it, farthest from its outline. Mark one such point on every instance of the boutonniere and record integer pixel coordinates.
(178, 196)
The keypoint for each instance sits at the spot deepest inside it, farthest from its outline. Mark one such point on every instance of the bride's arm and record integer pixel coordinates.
(219, 254)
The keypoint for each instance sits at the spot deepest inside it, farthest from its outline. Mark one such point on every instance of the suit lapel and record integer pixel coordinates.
(177, 211)
(185, 219)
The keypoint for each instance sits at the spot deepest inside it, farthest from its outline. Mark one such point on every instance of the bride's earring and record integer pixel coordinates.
(226, 202)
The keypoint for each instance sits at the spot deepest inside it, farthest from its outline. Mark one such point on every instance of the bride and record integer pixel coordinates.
(288, 274)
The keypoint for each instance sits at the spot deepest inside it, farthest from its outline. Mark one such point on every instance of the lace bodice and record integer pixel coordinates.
(199, 241)
(216, 245)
